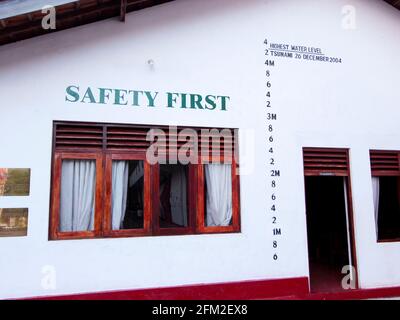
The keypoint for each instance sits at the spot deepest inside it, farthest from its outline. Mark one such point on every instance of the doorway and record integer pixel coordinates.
(329, 236)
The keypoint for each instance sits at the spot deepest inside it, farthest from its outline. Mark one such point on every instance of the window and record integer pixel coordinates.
(105, 183)
(217, 185)
(76, 197)
(127, 188)
(385, 167)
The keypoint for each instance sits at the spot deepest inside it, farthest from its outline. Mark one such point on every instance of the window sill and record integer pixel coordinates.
(388, 240)
(141, 235)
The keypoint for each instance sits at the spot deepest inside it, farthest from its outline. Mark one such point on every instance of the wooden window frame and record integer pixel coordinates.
(55, 233)
(378, 173)
(336, 170)
(147, 217)
(104, 155)
(384, 172)
(190, 229)
(201, 223)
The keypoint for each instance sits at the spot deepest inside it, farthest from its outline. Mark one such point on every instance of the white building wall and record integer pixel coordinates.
(205, 47)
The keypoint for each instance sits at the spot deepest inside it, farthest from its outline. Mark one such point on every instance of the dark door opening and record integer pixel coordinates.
(328, 231)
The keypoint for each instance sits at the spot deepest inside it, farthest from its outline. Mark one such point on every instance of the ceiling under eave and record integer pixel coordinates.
(17, 23)
(12, 8)
(68, 15)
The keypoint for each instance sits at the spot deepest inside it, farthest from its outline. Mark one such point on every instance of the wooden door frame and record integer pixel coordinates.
(337, 173)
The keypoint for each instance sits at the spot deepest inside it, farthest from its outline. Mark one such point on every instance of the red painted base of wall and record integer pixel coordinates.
(246, 290)
(281, 289)
(354, 294)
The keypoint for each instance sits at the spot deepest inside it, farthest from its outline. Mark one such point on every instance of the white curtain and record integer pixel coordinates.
(375, 192)
(78, 182)
(219, 194)
(178, 196)
(120, 175)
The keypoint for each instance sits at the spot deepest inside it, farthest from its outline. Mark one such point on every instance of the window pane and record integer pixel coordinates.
(173, 196)
(78, 184)
(127, 194)
(218, 194)
(389, 208)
